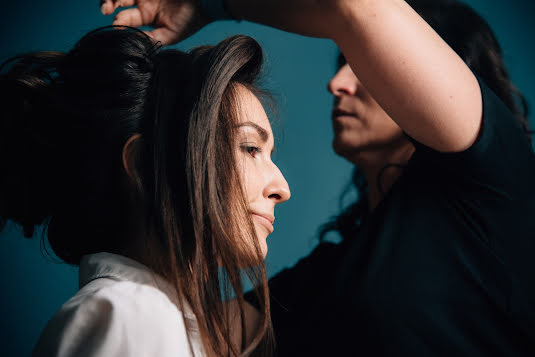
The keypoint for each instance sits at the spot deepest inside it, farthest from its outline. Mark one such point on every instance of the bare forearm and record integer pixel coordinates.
(305, 17)
(411, 72)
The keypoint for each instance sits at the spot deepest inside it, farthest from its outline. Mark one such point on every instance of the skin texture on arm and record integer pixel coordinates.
(412, 73)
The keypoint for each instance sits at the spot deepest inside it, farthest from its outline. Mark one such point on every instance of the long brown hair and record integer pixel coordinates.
(68, 116)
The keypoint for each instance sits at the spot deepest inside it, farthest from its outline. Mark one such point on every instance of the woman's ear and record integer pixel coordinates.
(129, 156)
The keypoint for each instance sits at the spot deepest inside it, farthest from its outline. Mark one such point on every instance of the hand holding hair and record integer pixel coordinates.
(175, 20)
(172, 20)
(421, 83)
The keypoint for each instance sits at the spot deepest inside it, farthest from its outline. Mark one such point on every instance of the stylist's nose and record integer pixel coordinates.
(277, 188)
(344, 82)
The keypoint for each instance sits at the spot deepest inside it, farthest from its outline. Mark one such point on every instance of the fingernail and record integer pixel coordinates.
(104, 8)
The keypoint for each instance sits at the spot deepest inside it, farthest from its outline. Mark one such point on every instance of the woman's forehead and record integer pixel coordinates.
(250, 108)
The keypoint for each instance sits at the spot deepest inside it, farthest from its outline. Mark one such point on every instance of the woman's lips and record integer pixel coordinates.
(264, 219)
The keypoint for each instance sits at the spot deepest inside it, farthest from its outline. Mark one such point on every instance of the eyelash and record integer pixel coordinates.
(251, 150)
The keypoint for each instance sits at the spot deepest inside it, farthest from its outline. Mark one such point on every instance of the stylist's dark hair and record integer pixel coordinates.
(471, 37)
(65, 122)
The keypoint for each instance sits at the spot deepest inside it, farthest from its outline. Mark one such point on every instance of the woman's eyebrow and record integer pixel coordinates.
(261, 131)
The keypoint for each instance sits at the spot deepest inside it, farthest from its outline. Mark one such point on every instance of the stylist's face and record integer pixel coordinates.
(360, 125)
(264, 185)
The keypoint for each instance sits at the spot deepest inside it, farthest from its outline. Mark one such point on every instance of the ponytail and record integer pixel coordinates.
(27, 186)
(65, 119)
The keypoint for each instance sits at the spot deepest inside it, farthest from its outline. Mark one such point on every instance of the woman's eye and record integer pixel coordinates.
(252, 150)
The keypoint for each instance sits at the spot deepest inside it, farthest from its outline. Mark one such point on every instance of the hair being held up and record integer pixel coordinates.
(66, 120)
(57, 128)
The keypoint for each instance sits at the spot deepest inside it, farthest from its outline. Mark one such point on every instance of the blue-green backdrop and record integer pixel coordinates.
(298, 69)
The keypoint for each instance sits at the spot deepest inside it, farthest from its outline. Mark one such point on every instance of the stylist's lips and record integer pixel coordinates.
(264, 219)
(340, 113)
(341, 118)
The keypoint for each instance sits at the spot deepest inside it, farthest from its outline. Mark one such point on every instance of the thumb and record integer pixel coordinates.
(164, 35)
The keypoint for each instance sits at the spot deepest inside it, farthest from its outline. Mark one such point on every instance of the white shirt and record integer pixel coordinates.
(121, 309)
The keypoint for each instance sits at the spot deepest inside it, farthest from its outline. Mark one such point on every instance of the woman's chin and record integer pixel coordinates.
(262, 236)
(264, 249)
(262, 242)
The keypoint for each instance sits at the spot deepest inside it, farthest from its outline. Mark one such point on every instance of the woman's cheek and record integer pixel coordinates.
(246, 177)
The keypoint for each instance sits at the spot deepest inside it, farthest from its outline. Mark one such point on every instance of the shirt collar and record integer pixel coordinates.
(113, 266)
(121, 268)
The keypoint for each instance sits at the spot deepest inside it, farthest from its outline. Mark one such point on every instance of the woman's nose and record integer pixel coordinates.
(277, 188)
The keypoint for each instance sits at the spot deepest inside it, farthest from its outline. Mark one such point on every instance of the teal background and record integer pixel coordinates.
(33, 286)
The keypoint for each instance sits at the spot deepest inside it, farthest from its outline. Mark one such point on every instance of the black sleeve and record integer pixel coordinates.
(501, 157)
(490, 187)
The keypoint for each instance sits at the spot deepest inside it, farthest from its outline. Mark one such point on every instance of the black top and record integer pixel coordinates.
(444, 266)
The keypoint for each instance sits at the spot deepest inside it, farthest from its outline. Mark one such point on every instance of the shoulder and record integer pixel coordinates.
(501, 154)
(121, 318)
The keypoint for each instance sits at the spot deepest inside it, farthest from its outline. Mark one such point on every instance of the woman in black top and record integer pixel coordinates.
(437, 253)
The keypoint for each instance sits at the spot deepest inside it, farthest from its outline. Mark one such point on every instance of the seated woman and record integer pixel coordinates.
(437, 254)
(151, 170)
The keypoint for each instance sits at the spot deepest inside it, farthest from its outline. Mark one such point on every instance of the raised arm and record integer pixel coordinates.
(411, 72)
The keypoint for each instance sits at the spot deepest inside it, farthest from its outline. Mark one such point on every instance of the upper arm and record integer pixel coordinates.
(501, 159)
(413, 74)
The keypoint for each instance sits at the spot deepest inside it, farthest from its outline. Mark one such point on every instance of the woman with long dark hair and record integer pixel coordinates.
(437, 253)
(151, 170)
